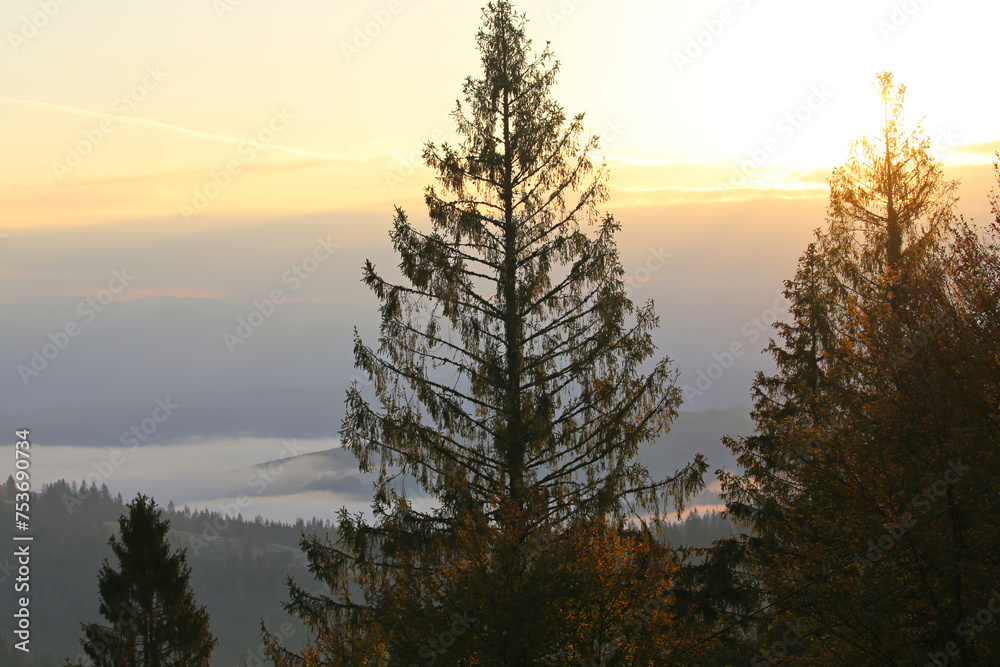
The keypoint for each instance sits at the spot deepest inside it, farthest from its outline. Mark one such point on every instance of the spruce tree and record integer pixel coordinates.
(889, 202)
(153, 620)
(868, 484)
(513, 385)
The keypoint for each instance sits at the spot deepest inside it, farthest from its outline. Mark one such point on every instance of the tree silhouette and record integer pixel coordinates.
(867, 483)
(507, 388)
(154, 621)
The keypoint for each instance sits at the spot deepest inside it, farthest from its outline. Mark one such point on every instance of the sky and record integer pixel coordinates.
(179, 162)
(114, 111)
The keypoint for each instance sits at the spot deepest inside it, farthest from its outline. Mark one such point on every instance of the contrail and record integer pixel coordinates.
(175, 129)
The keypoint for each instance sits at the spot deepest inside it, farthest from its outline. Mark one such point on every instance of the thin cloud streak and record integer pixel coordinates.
(174, 129)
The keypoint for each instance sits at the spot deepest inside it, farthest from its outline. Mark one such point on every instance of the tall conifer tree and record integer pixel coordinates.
(868, 481)
(511, 386)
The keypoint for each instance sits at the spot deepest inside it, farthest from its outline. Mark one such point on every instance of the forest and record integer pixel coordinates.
(238, 567)
(514, 381)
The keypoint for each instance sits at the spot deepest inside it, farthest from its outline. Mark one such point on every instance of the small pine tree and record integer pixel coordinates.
(148, 601)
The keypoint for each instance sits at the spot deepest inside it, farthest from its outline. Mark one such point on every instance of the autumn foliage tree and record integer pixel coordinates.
(870, 481)
(513, 385)
(889, 203)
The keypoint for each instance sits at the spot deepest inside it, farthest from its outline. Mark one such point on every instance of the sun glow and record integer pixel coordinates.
(692, 98)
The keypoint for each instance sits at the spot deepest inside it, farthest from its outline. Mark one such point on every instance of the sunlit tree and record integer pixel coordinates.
(867, 482)
(890, 200)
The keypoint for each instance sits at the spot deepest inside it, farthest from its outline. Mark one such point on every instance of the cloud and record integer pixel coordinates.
(173, 129)
(179, 292)
(264, 473)
(975, 154)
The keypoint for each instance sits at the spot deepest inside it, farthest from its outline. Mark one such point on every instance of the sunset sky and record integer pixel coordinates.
(206, 146)
(162, 95)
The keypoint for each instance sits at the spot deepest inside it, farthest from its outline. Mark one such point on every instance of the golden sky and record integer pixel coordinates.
(198, 111)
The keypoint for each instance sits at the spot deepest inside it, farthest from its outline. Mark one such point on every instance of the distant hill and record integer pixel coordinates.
(312, 413)
(238, 569)
(307, 416)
